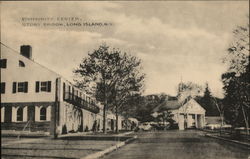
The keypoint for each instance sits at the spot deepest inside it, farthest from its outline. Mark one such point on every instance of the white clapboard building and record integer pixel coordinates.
(38, 99)
(187, 114)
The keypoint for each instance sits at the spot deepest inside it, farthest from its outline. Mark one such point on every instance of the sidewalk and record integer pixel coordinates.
(26, 134)
(111, 149)
(241, 143)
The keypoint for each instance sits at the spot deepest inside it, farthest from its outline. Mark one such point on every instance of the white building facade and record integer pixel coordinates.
(190, 115)
(39, 99)
(187, 115)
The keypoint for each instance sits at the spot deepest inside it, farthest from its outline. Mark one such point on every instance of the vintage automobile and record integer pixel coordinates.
(212, 126)
(146, 126)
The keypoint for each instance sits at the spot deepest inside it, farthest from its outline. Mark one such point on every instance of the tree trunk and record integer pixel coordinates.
(221, 124)
(105, 106)
(246, 120)
(104, 119)
(126, 123)
(116, 123)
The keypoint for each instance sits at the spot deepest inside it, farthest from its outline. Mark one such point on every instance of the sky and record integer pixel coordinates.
(176, 40)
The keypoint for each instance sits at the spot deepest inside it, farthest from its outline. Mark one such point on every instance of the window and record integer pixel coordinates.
(21, 63)
(19, 114)
(3, 63)
(43, 113)
(44, 86)
(2, 87)
(20, 87)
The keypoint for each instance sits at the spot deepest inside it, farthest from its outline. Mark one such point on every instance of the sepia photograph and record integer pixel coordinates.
(153, 79)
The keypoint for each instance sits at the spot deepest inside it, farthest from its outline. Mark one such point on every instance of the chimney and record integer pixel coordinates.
(26, 50)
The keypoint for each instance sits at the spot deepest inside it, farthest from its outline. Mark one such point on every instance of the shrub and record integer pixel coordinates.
(87, 129)
(64, 129)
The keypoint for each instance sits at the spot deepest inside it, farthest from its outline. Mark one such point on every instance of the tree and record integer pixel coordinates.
(209, 103)
(164, 115)
(187, 90)
(236, 79)
(146, 104)
(110, 76)
(129, 81)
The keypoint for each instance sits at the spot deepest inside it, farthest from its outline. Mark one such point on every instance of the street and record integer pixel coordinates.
(178, 145)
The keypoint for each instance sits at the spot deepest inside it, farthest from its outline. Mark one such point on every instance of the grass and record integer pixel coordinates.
(50, 148)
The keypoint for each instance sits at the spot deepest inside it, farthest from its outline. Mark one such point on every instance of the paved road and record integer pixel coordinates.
(178, 145)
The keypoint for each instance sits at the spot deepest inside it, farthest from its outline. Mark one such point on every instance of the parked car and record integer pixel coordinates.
(226, 126)
(160, 125)
(212, 126)
(145, 126)
(240, 128)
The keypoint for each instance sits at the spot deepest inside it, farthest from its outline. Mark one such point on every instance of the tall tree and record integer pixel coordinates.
(129, 81)
(146, 105)
(236, 79)
(110, 75)
(208, 101)
(187, 90)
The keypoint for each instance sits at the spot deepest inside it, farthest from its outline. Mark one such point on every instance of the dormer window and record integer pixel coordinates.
(21, 63)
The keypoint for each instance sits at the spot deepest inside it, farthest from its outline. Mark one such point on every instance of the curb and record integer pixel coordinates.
(232, 141)
(91, 134)
(126, 133)
(108, 150)
(74, 134)
(23, 136)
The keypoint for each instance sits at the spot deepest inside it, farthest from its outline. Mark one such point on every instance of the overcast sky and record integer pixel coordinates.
(174, 39)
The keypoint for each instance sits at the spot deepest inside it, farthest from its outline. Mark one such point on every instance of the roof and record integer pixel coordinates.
(18, 54)
(170, 105)
(30, 60)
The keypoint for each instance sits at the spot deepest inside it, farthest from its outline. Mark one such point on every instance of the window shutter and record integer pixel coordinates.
(37, 86)
(14, 87)
(64, 90)
(49, 86)
(25, 87)
(2, 87)
(3, 63)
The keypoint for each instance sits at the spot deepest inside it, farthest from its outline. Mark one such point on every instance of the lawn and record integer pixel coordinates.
(50, 148)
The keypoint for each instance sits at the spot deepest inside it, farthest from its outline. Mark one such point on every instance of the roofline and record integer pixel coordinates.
(199, 104)
(189, 101)
(18, 53)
